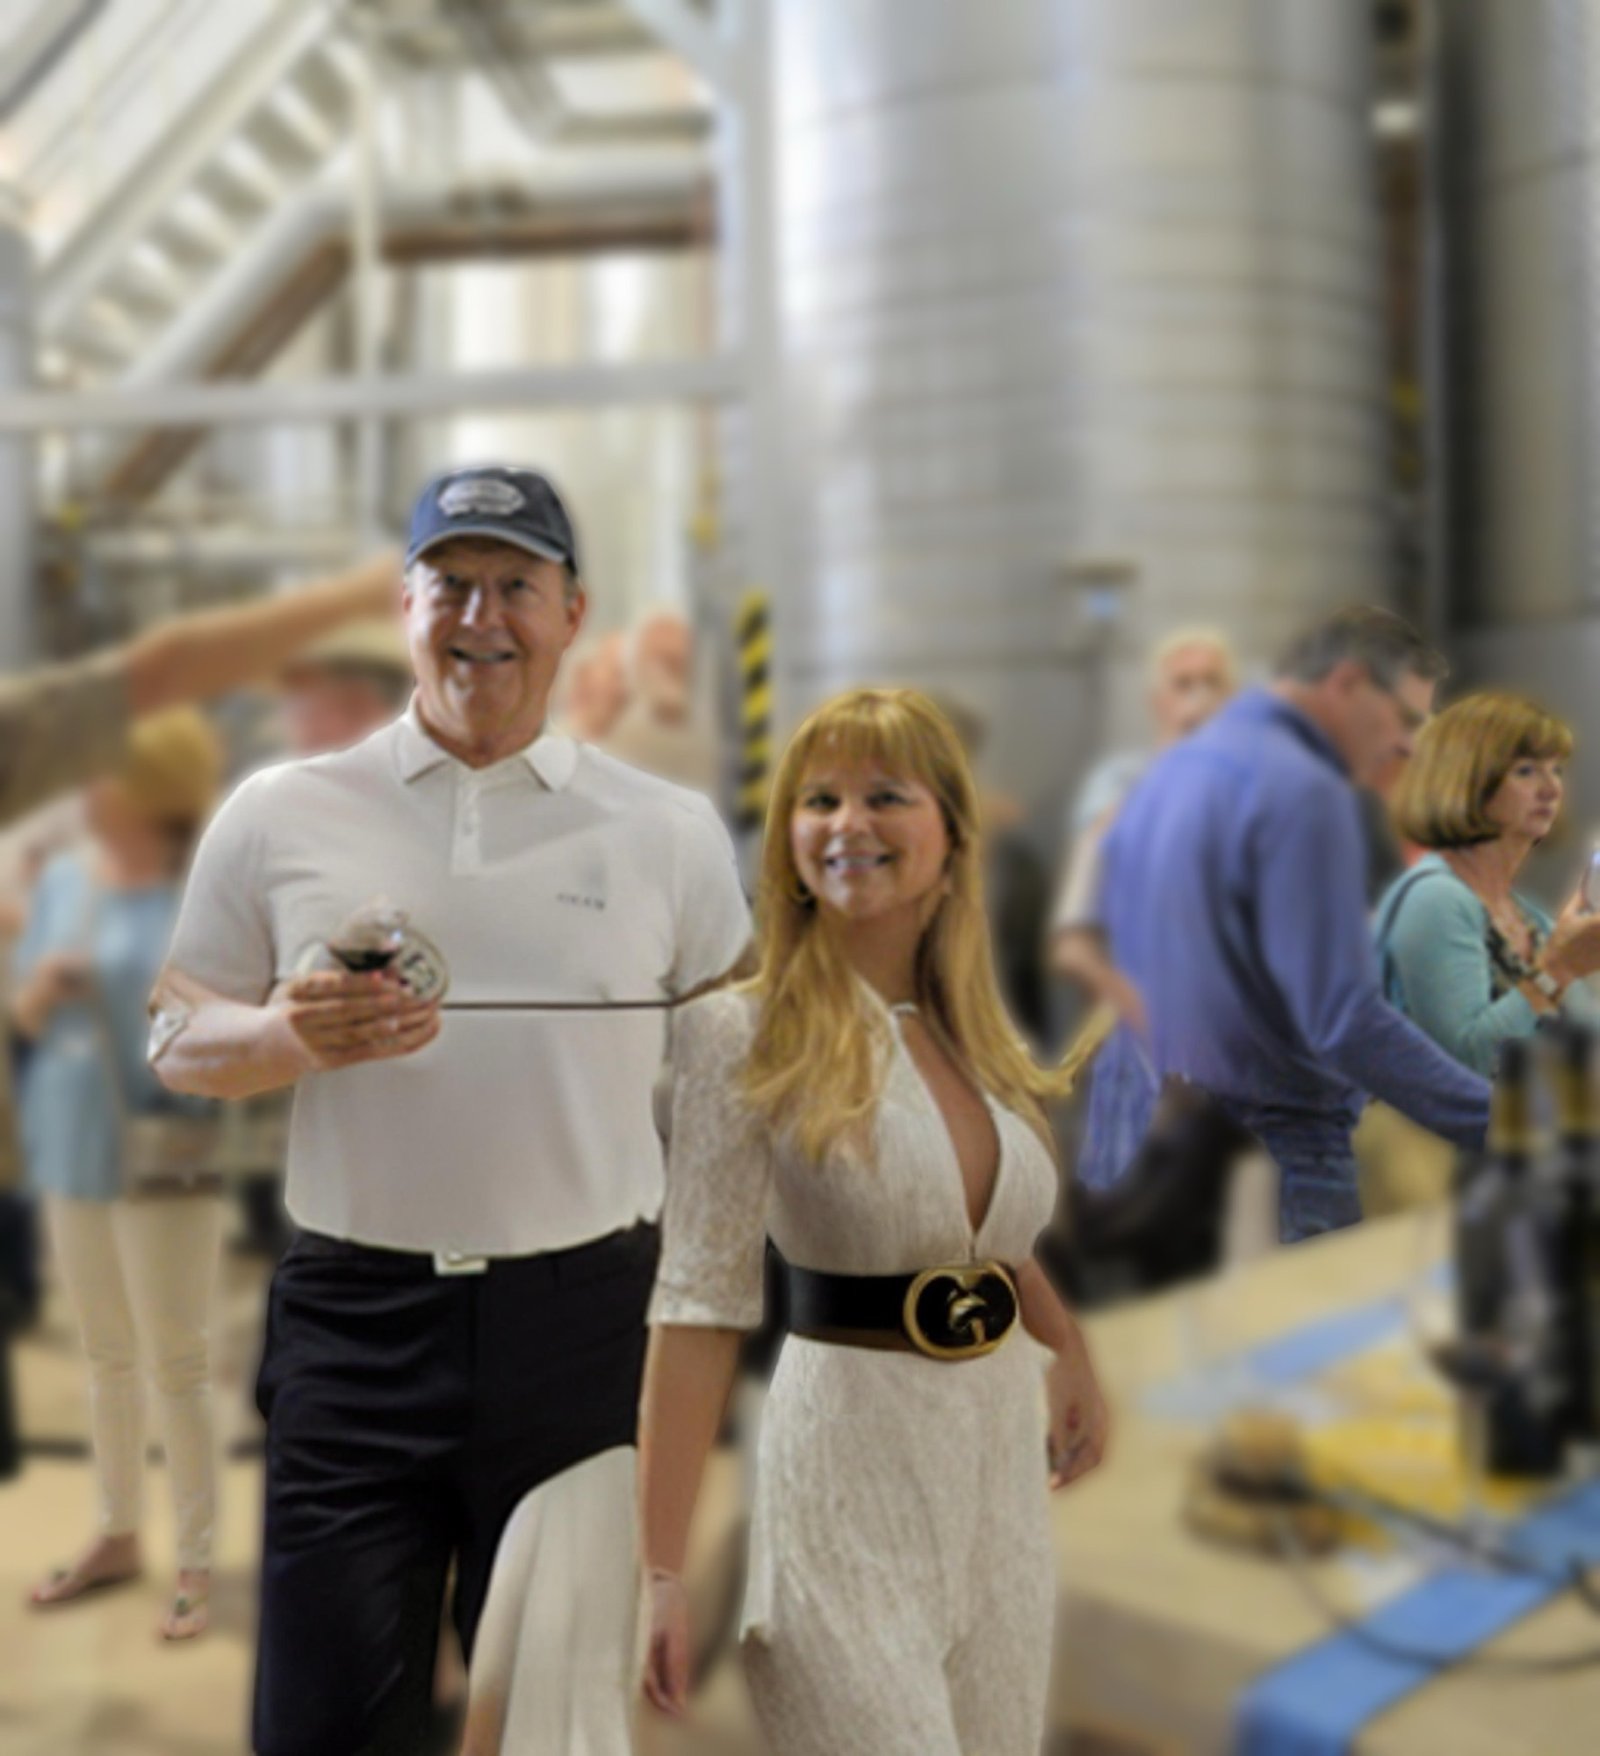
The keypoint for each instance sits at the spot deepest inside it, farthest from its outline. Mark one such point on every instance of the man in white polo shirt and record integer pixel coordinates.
(462, 1314)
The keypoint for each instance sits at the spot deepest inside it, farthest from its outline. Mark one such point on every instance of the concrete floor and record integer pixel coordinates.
(92, 1678)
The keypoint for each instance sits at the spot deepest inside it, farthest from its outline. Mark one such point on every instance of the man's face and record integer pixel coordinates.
(1191, 684)
(328, 710)
(487, 625)
(665, 651)
(1376, 727)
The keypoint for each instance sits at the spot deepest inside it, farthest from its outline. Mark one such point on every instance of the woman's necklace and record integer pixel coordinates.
(1506, 917)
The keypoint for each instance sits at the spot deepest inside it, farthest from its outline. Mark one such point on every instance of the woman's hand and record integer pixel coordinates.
(1573, 948)
(54, 980)
(666, 1669)
(1078, 1417)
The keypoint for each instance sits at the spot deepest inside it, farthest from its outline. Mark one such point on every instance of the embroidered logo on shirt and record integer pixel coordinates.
(573, 900)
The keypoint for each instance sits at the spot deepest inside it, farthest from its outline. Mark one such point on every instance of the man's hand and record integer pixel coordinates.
(339, 1019)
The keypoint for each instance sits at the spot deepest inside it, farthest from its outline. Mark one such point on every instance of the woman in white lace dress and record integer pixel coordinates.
(866, 1102)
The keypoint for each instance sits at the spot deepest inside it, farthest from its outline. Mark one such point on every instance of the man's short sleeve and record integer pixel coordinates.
(713, 918)
(59, 729)
(224, 935)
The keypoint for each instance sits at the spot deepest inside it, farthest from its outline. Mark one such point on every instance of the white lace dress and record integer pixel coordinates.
(901, 1579)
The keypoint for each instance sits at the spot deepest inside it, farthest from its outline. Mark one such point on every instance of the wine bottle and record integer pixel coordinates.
(1576, 1193)
(1506, 1282)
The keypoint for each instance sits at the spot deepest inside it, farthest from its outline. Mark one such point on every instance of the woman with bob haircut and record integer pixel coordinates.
(865, 1099)
(1466, 955)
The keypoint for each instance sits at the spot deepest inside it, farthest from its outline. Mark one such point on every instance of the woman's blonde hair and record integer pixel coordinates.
(815, 1064)
(1462, 757)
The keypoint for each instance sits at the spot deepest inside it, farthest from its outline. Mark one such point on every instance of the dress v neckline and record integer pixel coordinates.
(974, 1230)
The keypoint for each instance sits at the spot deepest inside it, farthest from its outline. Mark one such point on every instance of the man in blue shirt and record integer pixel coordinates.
(1234, 894)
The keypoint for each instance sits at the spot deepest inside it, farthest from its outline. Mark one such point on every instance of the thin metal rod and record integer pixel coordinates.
(563, 1005)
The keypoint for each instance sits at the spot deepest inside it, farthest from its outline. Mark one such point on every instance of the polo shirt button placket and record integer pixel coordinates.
(469, 826)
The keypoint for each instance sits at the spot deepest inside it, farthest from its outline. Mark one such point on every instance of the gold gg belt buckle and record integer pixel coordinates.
(960, 1312)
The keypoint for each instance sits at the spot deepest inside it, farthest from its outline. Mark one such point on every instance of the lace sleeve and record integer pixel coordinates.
(719, 1175)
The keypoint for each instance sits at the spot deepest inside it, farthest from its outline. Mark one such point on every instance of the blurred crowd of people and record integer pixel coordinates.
(1302, 894)
(1305, 902)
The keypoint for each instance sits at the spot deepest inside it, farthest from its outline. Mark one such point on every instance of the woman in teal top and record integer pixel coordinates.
(137, 1264)
(1465, 954)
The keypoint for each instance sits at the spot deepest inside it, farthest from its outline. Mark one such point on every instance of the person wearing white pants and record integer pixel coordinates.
(110, 1151)
(140, 1276)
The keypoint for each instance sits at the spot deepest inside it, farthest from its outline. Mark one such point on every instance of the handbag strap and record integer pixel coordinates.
(1390, 911)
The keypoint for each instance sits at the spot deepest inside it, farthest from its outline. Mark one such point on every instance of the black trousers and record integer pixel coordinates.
(407, 1415)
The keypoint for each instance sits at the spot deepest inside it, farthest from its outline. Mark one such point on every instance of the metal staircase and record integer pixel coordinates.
(271, 120)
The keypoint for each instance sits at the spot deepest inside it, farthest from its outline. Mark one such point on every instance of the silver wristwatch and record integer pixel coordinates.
(1546, 984)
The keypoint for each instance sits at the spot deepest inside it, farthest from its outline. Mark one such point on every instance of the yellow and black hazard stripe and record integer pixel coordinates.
(753, 635)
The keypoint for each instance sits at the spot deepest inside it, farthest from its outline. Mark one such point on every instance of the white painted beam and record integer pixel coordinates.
(691, 37)
(237, 404)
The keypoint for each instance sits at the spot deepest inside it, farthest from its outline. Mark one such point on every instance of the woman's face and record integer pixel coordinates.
(124, 830)
(1528, 801)
(867, 843)
(112, 817)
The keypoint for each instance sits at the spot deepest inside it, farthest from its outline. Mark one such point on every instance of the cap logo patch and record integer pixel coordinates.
(482, 494)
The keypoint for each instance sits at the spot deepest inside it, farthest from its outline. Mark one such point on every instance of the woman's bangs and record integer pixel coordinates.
(1547, 740)
(869, 734)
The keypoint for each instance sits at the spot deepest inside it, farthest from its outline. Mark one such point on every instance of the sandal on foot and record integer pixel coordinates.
(188, 1617)
(65, 1585)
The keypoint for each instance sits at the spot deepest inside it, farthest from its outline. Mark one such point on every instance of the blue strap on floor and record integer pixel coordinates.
(1316, 1703)
(1312, 1348)
(1206, 1394)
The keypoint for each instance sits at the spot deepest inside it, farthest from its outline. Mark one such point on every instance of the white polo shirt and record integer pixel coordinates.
(559, 874)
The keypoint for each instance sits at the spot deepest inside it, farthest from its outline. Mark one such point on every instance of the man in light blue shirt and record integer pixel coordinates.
(1234, 894)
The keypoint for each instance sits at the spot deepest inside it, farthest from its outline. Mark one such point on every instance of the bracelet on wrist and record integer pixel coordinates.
(1548, 982)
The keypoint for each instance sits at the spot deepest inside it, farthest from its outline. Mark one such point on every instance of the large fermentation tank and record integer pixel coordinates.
(1078, 312)
(1516, 305)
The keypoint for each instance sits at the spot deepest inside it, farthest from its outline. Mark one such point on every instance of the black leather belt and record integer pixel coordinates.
(560, 1264)
(958, 1311)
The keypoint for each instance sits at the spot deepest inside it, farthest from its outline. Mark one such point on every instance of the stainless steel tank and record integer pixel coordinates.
(1516, 392)
(1080, 330)
(1518, 300)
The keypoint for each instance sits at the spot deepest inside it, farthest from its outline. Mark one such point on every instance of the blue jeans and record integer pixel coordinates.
(1316, 1164)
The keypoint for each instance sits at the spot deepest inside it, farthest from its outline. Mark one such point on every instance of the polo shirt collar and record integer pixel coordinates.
(553, 758)
(1262, 704)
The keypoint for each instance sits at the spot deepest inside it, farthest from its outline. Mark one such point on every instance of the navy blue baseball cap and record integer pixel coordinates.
(516, 506)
